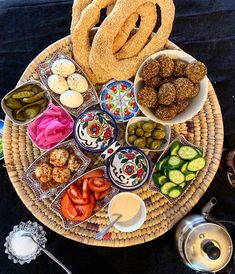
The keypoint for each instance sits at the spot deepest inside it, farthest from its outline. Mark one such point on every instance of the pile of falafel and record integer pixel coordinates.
(169, 85)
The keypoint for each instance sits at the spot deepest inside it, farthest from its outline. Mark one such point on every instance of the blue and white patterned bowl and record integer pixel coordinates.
(128, 168)
(95, 130)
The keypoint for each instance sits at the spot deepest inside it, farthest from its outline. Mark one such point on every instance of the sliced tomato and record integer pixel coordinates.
(101, 195)
(98, 184)
(76, 195)
(92, 199)
(67, 208)
(99, 173)
(78, 183)
(85, 189)
(83, 212)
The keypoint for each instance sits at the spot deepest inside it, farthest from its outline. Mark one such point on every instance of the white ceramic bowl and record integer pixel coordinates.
(130, 228)
(141, 118)
(195, 104)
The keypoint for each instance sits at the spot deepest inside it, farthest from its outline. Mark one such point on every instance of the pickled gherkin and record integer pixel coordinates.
(13, 103)
(34, 98)
(31, 112)
(23, 94)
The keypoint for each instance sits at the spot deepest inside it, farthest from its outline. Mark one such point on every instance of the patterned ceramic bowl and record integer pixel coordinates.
(36, 231)
(128, 168)
(95, 130)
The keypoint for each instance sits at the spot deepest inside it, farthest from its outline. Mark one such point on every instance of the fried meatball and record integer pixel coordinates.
(166, 112)
(166, 94)
(184, 88)
(73, 163)
(166, 66)
(61, 174)
(196, 71)
(169, 79)
(154, 82)
(147, 97)
(180, 67)
(181, 105)
(43, 172)
(59, 157)
(150, 69)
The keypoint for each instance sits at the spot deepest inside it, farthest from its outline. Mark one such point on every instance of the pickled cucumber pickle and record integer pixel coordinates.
(146, 134)
(26, 102)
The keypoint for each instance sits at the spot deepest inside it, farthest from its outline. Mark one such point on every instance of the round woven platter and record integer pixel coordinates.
(205, 130)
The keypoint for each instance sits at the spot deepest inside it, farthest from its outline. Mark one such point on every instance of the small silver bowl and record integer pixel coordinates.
(37, 232)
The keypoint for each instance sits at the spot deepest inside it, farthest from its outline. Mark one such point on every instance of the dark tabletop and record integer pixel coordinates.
(204, 29)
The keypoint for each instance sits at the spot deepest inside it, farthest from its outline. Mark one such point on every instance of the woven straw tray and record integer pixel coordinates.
(205, 129)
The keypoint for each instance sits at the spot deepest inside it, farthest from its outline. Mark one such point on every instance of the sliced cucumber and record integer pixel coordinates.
(184, 168)
(182, 185)
(189, 176)
(175, 192)
(196, 164)
(160, 164)
(174, 162)
(199, 151)
(176, 176)
(159, 179)
(175, 147)
(167, 187)
(187, 153)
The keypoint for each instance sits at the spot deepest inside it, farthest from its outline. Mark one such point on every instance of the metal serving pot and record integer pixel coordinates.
(203, 245)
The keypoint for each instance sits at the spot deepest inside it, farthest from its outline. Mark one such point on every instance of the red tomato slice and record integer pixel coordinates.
(76, 195)
(98, 184)
(68, 208)
(94, 174)
(85, 189)
(101, 195)
(92, 199)
(83, 212)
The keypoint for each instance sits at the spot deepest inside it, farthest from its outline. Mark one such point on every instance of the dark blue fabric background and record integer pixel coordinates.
(204, 29)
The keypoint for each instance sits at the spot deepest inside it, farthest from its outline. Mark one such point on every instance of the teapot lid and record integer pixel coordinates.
(208, 247)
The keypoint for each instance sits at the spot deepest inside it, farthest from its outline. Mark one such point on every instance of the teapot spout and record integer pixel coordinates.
(208, 207)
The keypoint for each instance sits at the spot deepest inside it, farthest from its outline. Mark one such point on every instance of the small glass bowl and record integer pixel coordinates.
(36, 231)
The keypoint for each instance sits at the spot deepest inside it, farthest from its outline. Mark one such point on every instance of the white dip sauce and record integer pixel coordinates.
(22, 245)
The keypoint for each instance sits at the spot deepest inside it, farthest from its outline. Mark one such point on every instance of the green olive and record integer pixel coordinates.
(131, 129)
(149, 142)
(148, 127)
(147, 134)
(140, 143)
(160, 126)
(140, 124)
(156, 144)
(158, 134)
(132, 138)
(154, 124)
(139, 132)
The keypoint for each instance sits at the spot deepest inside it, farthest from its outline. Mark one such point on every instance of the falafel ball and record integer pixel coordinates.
(180, 67)
(166, 94)
(154, 82)
(166, 112)
(59, 157)
(150, 69)
(43, 172)
(147, 97)
(61, 174)
(166, 66)
(184, 88)
(196, 90)
(181, 105)
(196, 71)
(169, 79)
(73, 163)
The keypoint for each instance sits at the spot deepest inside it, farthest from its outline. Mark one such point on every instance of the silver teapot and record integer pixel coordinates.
(203, 243)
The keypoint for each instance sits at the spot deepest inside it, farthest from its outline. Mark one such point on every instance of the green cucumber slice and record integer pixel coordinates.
(196, 164)
(174, 162)
(167, 187)
(184, 168)
(199, 151)
(175, 147)
(159, 179)
(189, 176)
(175, 192)
(176, 176)
(160, 164)
(187, 153)
(182, 185)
